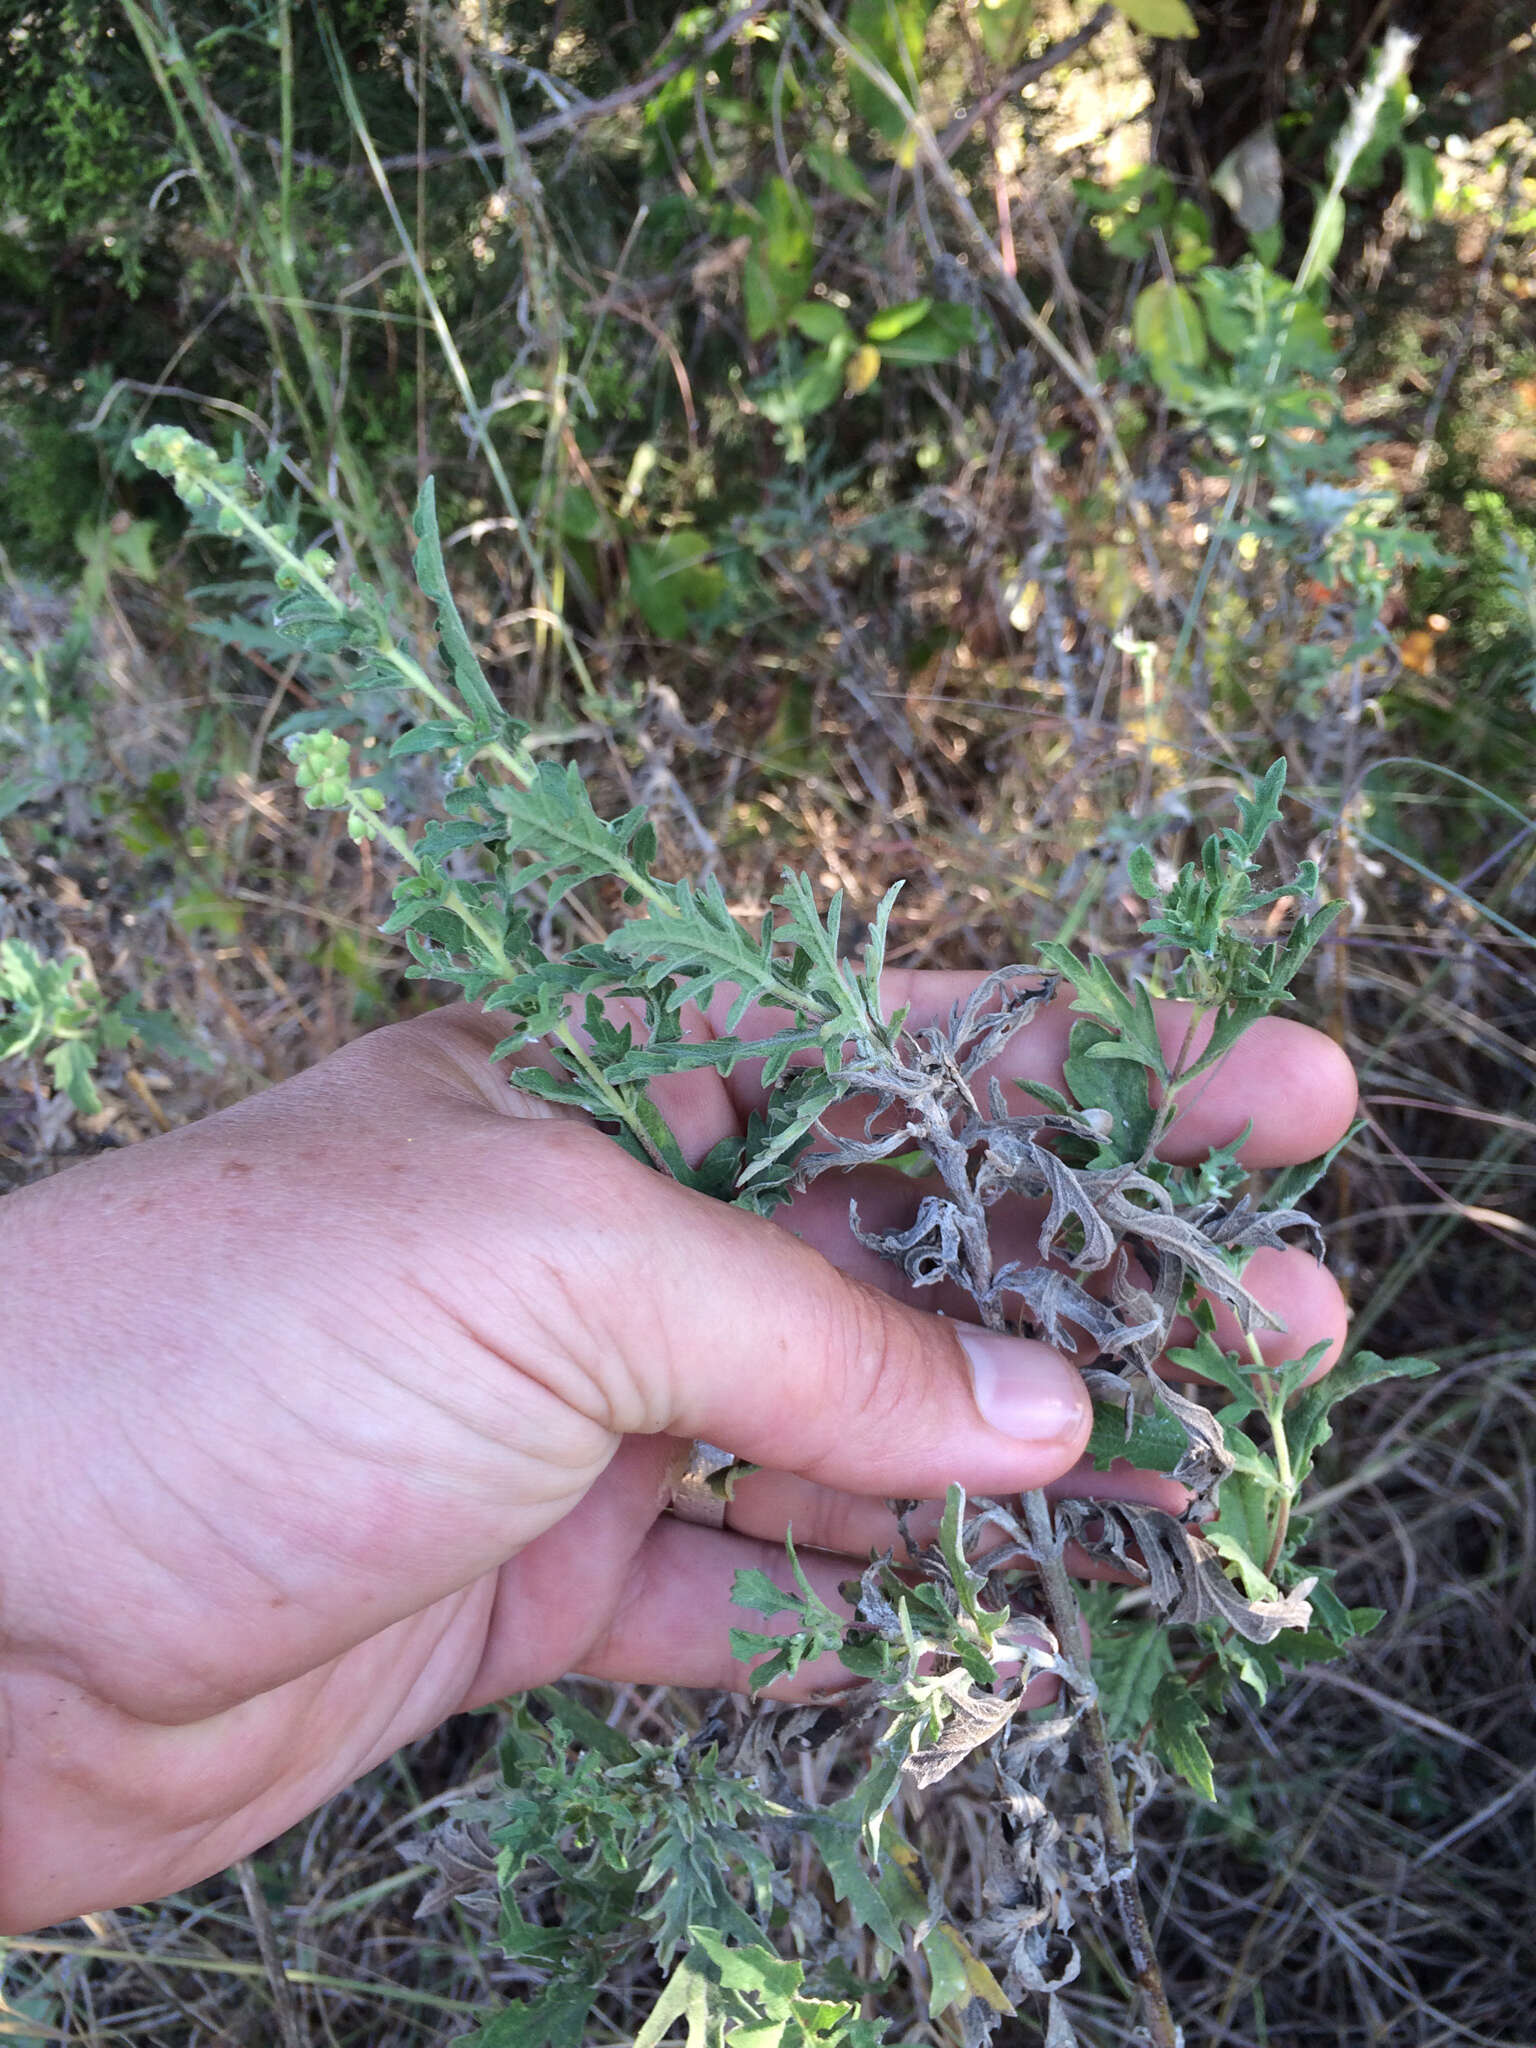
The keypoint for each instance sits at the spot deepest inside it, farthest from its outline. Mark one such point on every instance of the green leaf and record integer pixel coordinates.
(896, 320)
(547, 1086)
(892, 34)
(1160, 17)
(686, 1998)
(1286, 1188)
(780, 257)
(70, 1064)
(1292, 1374)
(432, 577)
(1170, 332)
(553, 820)
(1191, 237)
(750, 1968)
(1421, 180)
(1130, 1660)
(793, 400)
(838, 171)
(819, 320)
(1117, 1086)
(956, 1974)
(1132, 1021)
(1155, 1444)
(433, 735)
(939, 336)
(581, 516)
(1141, 871)
(1339, 1623)
(838, 1840)
(767, 2034)
(1308, 1427)
(156, 1030)
(1240, 1534)
(587, 1729)
(676, 587)
(755, 1590)
(1177, 1718)
(554, 2017)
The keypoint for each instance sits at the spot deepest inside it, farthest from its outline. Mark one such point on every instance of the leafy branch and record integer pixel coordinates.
(604, 1852)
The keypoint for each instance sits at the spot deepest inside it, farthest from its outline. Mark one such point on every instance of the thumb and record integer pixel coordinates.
(722, 1325)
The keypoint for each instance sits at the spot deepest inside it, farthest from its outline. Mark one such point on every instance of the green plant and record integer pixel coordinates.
(677, 1852)
(53, 1010)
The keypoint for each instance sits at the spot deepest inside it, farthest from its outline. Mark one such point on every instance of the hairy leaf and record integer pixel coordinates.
(1177, 1718)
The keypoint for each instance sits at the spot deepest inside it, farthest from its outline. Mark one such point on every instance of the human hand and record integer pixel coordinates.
(357, 1405)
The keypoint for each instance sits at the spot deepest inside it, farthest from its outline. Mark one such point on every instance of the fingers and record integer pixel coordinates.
(673, 1625)
(693, 1318)
(769, 1504)
(1304, 1296)
(1294, 1085)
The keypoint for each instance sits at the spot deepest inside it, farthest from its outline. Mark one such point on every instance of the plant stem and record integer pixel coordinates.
(1067, 1621)
(1275, 1414)
(495, 951)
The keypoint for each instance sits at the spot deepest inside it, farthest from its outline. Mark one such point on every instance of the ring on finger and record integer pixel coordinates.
(695, 1497)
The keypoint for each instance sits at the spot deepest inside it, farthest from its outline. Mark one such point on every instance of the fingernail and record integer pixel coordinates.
(1025, 1390)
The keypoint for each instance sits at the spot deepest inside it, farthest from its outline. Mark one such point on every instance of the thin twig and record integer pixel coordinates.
(1025, 74)
(271, 1962)
(566, 122)
(1085, 381)
(1066, 1620)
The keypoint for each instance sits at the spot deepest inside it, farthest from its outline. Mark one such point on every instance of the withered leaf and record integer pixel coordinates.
(928, 1250)
(974, 1718)
(1178, 1238)
(1072, 1195)
(1247, 1227)
(1182, 1573)
(1055, 1299)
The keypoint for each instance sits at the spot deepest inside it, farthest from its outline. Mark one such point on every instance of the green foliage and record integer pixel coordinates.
(1160, 17)
(780, 256)
(745, 206)
(614, 1848)
(84, 133)
(661, 1844)
(759, 1999)
(53, 1010)
(1203, 919)
(890, 33)
(1170, 333)
(677, 588)
(918, 332)
(1513, 633)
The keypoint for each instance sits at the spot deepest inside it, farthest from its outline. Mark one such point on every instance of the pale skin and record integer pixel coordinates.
(356, 1406)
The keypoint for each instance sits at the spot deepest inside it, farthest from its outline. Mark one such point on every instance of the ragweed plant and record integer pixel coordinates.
(610, 1858)
(53, 1013)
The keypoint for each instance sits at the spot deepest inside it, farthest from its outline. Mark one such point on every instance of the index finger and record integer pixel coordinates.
(1293, 1084)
